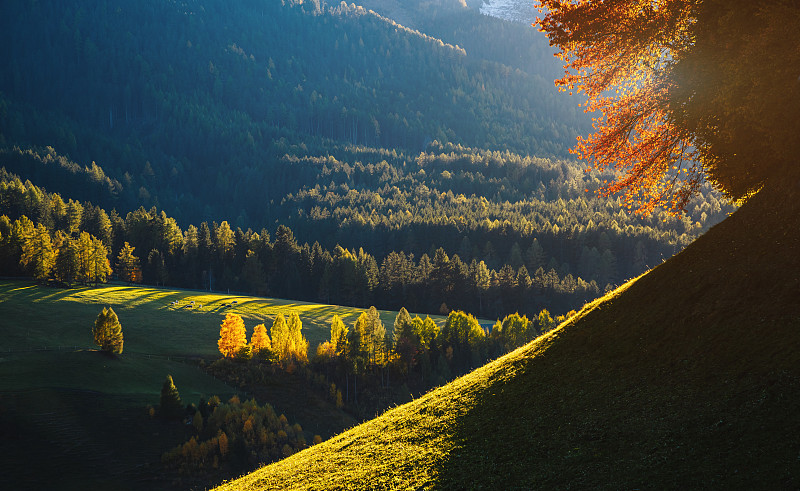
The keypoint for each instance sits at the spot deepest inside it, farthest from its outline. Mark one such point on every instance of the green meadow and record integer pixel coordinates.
(64, 401)
(151, 323)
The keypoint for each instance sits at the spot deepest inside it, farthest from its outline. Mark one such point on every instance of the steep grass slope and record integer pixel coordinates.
(688, 376)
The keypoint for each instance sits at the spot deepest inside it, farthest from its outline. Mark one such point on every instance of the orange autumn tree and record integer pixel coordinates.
(260, 342)
(684, 89)
(232, 335)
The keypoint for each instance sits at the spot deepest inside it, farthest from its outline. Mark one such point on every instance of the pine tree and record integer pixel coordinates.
(377, 336)
(253, 273)
(170, 399)
(232, 335)
(100, 268)
(107, 331)
(402, 324)
(156, 270)
(545, 322)
(85, 253)
(338, 336)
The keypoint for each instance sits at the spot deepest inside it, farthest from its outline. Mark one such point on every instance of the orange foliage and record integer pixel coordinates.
(232, 335)
(619, 53)
(260, 341)
(685, 89)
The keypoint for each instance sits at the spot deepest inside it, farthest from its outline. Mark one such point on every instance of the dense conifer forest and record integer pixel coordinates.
(389, 163)
(423, 250)
(191, 106)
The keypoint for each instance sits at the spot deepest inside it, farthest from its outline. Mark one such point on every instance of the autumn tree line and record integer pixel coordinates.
(416, 352)
(357, 367)
(419, 352)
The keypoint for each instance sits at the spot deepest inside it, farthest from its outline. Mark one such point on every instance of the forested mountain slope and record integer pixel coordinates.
(335, 121)
(192, 105)
(686, 377)
(483, 37)
(384, 235)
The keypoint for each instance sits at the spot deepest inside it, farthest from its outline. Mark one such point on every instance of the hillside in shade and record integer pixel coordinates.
(686, 377)
(191, 106)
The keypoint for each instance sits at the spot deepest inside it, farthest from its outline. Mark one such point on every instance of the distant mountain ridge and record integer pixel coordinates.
(523, 11)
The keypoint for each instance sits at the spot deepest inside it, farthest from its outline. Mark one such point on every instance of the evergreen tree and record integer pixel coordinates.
(107, 331)
(406, 342)
(545, 322)
(253, 273)
(359, 339)
(128, 264)
(156, 269)
(65, 269)
(171, 406)
(100, 268)
(402, 324)
(376, 336)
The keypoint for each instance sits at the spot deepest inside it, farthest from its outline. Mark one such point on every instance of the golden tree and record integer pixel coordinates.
(259, 341)
(298, 345)
(338, 336)
(280, 338)
(685, 89)
(232, 335)
(107, 331)
(38, 254)
(128, 265)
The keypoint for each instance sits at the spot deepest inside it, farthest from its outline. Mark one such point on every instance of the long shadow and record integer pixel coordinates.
(28, 290)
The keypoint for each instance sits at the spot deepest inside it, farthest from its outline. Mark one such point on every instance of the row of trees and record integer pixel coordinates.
(43, 254)
(215, 256)
(416, 351)
(386, 203)
(419, 351)
(285, 344)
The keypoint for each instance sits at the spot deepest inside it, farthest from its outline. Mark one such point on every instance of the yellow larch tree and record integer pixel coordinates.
(232, 335)
(298, 345)
(259, 341)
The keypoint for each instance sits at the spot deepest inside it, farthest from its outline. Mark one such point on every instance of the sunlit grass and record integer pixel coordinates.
(151, 323)
(686, 377)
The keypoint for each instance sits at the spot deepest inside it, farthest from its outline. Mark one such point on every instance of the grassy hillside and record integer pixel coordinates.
(84, 413)
(688, 376)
